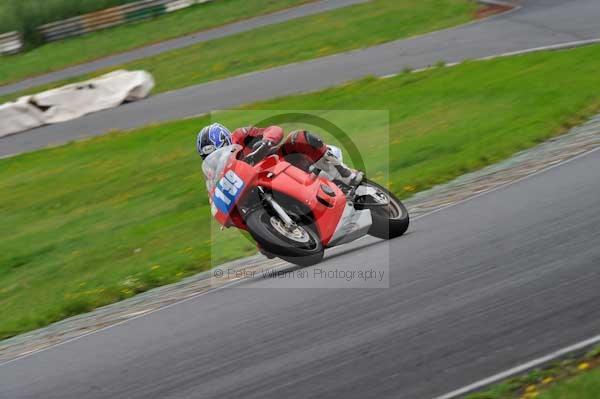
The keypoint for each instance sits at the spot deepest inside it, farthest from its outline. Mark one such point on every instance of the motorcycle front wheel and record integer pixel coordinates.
(389, 221)
(299, 244)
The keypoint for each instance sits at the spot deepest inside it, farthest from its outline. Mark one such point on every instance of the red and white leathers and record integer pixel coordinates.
(247, 137)
(301, 148)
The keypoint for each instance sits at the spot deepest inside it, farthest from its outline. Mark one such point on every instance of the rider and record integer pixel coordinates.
(301, 148)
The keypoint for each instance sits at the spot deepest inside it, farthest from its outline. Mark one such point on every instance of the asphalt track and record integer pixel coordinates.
(537, 23)
(474, 289)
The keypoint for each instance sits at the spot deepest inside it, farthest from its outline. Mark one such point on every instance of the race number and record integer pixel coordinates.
(227, 191)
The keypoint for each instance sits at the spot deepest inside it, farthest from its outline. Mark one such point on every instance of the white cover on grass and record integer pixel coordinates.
(74, 100)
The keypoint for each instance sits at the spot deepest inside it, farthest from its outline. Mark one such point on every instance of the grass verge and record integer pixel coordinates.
(306, 38)
(61, 54)
(97, 221)
(576, 377)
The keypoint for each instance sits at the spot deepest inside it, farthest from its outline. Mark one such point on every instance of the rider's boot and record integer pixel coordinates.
(337, 171)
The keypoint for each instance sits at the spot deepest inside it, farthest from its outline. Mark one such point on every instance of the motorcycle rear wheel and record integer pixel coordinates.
(300, 244)
(389, 221)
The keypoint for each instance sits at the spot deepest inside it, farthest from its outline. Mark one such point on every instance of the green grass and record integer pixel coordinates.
(574, 377)
(340, 30)
(74, 217)
(61, 54)
(586, 386)
(576, 386)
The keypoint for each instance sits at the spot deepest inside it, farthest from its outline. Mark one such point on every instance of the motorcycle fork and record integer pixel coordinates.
(278, 209)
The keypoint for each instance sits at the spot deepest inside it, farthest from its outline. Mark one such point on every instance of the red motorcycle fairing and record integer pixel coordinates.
(325, 200)
(248, 174)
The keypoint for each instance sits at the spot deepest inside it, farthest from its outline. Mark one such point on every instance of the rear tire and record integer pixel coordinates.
(301, 245)
(389, 221)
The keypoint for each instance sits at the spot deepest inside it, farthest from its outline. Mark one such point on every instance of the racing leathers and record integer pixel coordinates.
(301, 148)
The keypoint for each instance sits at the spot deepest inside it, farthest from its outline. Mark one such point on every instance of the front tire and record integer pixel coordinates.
(389, 221)
(300, 244)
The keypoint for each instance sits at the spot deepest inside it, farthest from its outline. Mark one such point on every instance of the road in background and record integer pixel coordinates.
(180, 42)
(537, 23)
(474, 289)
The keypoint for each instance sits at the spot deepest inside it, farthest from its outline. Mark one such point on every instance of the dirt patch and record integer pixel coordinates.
(492, 9)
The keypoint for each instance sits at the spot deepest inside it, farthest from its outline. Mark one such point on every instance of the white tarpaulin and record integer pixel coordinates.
(75, 100)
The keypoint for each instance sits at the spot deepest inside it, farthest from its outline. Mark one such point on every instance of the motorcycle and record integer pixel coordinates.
(295, 214)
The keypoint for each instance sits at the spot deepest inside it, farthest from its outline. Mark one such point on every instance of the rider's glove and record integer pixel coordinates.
(259, 150)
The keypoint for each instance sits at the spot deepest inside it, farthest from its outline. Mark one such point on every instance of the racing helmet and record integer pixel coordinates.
(211, 138)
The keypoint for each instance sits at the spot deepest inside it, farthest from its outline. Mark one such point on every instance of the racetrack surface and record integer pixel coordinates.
(474, 289)
(147, 51)
(537, 23)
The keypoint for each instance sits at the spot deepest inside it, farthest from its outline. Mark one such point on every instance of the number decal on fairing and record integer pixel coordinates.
(227, 190)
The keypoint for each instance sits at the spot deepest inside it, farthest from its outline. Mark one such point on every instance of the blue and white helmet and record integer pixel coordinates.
(211, 138)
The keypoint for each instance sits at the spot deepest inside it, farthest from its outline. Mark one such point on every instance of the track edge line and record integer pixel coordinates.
(520, 368)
